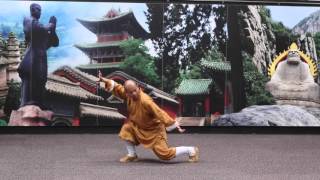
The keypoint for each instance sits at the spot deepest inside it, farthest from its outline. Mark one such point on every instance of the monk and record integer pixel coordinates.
(147, 124)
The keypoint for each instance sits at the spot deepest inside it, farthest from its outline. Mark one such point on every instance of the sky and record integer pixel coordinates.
(291, 15)
(74, 32)
(15, 11)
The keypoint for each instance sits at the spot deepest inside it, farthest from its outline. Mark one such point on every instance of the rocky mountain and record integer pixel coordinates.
(307, 45)
(256, 37)
(271, 115)
(309, 24)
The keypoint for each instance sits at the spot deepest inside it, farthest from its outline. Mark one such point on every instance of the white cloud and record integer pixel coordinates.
(73, 59)
(75, 32)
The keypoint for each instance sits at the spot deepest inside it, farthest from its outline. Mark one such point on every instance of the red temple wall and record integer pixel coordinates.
(72, 79)
(171, 110)
(112, 37)
(207, 105)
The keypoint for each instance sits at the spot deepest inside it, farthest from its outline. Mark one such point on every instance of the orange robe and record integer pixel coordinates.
(146, 123)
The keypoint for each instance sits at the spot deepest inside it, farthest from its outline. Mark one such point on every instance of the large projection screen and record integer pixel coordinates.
(206, 64)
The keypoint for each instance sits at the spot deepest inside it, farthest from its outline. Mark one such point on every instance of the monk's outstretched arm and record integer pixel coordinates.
(160, 114)
(113, 87)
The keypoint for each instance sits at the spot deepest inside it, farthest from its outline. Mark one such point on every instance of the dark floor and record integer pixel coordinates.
(223, 156)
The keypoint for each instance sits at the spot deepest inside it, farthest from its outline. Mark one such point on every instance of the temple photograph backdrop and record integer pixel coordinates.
(179, 54)
(279, 72)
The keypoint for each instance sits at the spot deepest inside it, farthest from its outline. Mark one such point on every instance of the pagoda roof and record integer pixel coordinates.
(98, 45)
(216, 66)
(91, 81)
(152, 91)
(194, 87)
(156, 94)
(99, 66)
(92, 110)
(60, 85)
(114, 99)
(80, 76)
(3, 60)
(123, 22)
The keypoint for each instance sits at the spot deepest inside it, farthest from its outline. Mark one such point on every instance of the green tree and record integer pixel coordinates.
(3, 122)
(182, 34)
(284, 36)
(255, 91)
(316, 38)
(13, 97)
(196, 71)
(165, 22)
(220, 18)
(235, 58)
(197, 34)
(138, 62)
(214, 55)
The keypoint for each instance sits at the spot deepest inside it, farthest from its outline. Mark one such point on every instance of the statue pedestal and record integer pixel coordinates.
(30, 115)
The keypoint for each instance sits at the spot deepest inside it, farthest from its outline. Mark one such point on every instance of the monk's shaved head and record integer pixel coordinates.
(132, 89)
(129, 84)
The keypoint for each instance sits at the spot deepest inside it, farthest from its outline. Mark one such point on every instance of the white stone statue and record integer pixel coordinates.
(292, 81)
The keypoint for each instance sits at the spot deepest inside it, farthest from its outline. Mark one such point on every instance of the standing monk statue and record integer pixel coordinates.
(34, 67)
(147, 124)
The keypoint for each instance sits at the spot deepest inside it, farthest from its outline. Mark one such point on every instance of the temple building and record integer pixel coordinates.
(74, 106)
(220, 74)
(113, 28)
(101, 115)
(10, 52)
(164, 100)
(10, 55)
(202, 98)
(88, 83)
(3, 72)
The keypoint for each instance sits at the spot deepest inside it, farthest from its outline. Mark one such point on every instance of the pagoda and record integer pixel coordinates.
(12, 54)
(113, 28)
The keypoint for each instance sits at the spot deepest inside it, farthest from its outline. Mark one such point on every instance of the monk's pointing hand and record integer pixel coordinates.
(177, 123)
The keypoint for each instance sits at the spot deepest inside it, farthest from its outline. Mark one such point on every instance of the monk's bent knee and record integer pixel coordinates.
(127, 134)
(164, 153)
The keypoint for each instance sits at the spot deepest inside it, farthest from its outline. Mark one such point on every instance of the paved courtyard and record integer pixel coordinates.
(222, 157)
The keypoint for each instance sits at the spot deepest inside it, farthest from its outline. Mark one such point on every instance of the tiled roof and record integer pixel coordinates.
(63, 86)
(194, 87)
(114, 99)
(152, 91)
(162, 96)
(216, 66)
(99, 111)
(104, 18)
(123, 22)
(98, 45)
(86, 78)
(100, 66)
